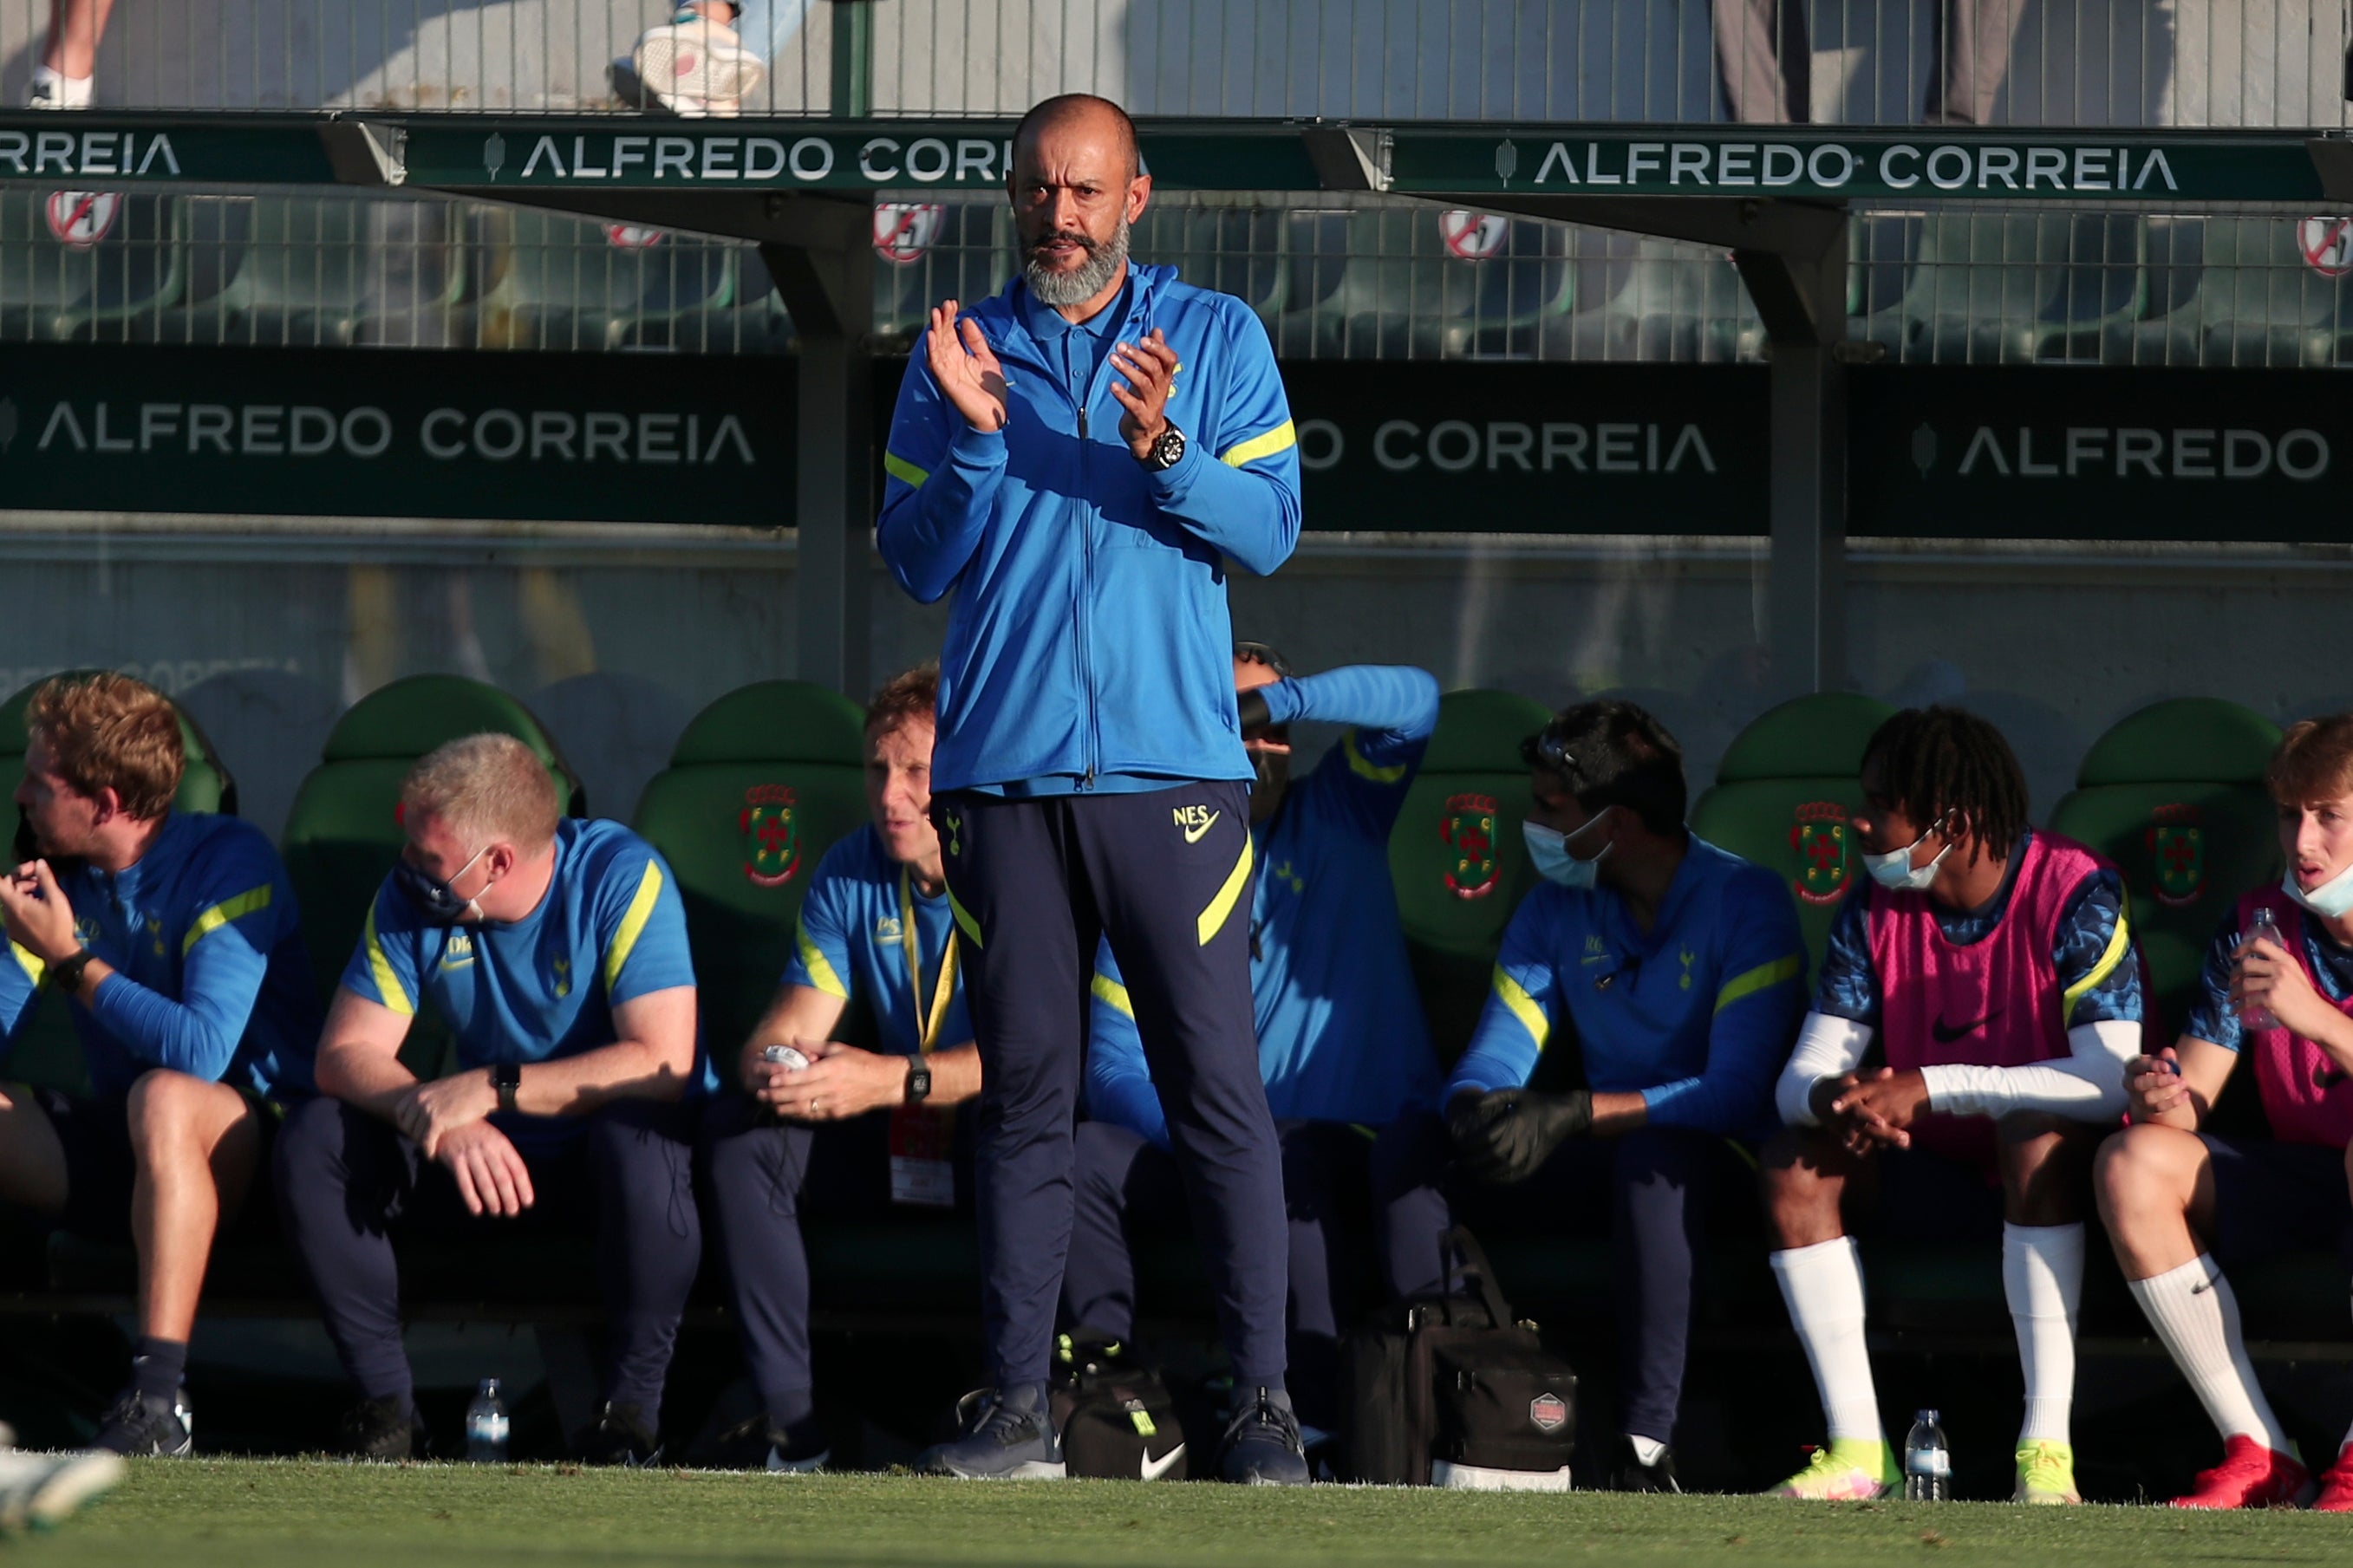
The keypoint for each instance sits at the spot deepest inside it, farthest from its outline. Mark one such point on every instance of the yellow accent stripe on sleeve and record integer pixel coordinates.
(1109, 990)
(1213, 919)
(32, 967)
(1523, 1006)
(633, 924)
(2119, 946)
(1282, 436)
(898, 467)
(820, 973)
(388, 988)
(965, 922)
(221, 913)
(1763, 977)
(1364, 769)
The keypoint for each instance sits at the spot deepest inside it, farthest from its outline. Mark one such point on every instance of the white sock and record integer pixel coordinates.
(1823, 1287)
(2196, 1318)
(2042, 1279)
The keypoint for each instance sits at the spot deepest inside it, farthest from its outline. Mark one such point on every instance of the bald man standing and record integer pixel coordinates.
(1079, 461)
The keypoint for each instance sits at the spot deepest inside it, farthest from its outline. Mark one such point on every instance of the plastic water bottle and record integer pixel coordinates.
(486, 1425)
(1927, 1463)
(2266, 928)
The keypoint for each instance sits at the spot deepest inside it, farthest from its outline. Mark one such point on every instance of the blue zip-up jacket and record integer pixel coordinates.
(1088, 637)
(1340, 1030)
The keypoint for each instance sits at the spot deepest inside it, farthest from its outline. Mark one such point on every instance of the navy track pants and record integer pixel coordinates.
(347, 1180)
(1166, 876)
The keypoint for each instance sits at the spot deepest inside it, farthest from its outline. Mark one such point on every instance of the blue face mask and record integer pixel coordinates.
(1548, 852)
(434, 899)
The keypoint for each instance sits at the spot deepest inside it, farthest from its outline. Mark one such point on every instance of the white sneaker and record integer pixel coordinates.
(40, 1491)
(51, 90)
(698, 61)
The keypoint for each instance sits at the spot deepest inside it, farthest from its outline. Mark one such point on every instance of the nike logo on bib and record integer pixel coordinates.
(1155, 1469)
(1947, 1032)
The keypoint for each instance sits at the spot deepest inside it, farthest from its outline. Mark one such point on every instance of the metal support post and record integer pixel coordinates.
(853, 58)
(829, 291)
(1802, 299)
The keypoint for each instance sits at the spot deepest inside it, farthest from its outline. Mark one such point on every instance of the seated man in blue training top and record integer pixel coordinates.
(1678, 971)
(175, 940)
(1341, 1041)
(875, 923)
(555, 951)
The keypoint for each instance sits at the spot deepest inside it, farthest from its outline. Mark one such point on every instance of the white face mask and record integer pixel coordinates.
(2330, 901)
(1548, 852)
(1894, 870)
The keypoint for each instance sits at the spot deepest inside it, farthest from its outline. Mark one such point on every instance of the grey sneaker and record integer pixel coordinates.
(1011, 1436)
(1262, 1447)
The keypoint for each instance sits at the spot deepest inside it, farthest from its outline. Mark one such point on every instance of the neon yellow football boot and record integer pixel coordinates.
(2046, 1474)
(1848, 1470)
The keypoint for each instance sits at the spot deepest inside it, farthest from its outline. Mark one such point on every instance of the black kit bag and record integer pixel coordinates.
(1453, 1381)
(1117, 1418)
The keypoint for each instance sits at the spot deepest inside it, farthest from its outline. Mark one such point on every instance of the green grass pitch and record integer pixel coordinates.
(267, 1514)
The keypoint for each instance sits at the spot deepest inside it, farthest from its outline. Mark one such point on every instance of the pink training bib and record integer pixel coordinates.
(1996, 1001)
(2308, 1096)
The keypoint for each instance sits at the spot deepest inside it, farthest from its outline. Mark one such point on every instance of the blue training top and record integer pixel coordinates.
(1697, 1016)
(1089, 646)
(610, 929)
(1340, 1029)
(211, 978)
(852, 938)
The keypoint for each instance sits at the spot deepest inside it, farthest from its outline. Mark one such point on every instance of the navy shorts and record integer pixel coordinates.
(2272, 1197)
(101, 1164)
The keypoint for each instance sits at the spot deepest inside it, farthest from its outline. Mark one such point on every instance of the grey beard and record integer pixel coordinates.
(1052, 287)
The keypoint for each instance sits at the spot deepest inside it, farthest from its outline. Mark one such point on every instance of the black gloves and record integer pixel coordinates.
(1504, 1136)
(1254, 713)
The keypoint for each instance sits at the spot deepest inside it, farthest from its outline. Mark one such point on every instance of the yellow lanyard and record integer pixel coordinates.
(927, 1028)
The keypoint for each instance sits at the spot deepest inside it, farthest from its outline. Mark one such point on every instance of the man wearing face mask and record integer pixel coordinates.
(555, 951)
(1994, 963)
(1676, 969)
(1341, 1041)
(2179, 1203)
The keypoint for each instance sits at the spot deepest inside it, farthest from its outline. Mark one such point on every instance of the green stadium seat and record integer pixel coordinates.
(552, 281)
(2263, 305)
(1234, 250)
(47, 1055)
(2005, 289)
(341, 833)
(2174, 796)
(763, 781)
(1456, 858)
(1400, 293)
(2171, 326)
(1784, 795)
(52, 291)
(1880, 268)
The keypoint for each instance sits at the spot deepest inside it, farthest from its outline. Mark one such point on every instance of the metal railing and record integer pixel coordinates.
(1350, 278)
(2179, 63)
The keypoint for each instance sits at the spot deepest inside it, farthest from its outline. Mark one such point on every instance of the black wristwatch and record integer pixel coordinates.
(507, 1078)
(919, 1080)
(1167, 450)
(66, 973)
